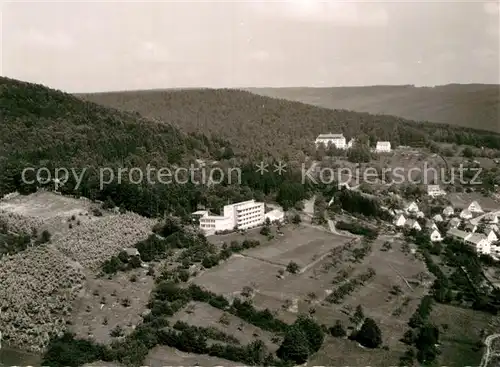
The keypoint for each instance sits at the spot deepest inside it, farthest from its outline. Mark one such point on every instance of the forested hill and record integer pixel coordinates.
(45, 127)
(261, 125)
(469, 105)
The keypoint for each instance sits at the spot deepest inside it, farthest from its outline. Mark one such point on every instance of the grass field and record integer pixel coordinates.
(465, 328)
(166, 356)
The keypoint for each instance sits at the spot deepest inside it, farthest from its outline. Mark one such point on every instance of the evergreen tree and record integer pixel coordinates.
(294, 346)
(369, 335)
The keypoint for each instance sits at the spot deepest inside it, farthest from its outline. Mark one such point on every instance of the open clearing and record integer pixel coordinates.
(465, 328)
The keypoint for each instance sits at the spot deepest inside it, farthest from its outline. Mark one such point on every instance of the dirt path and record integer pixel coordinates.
(487, 354)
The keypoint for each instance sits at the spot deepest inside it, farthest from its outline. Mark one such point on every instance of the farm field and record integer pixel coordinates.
(465, 328)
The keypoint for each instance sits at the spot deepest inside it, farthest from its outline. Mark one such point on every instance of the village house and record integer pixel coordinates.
(435, 190)
(474, 207)
(490, 218)
(491, 236)
(435, 236)
(413, 224)
(383, 147)
(437, 218)
(491, 227)
(350, 144)
(454, 223)
(448, 211)
(466, 214)
(420, 214)
(400, 221)
(480, 243)
(412, 208)
(336, 140)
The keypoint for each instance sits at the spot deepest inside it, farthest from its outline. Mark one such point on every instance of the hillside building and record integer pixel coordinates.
(400, 221)
(243, 215)
(438, 218)
(448, 211)
(413, 224)
(336, 140)
(412, 208)
(383, 147)
(466, 214)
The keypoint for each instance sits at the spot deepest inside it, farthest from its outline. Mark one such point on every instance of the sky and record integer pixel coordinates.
(116, 45)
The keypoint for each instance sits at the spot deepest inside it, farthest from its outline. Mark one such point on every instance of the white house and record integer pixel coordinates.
(412, 207)
(448, 211)
(400, 221)
(474, 207)
(435, 190)
(492, 227)
(466, 214)
(480, 242)
(337, 140)
(491, 236)
(437, 218)
(383, 147)
(436, 236)
(491, 218)
(243, 215)
(413, 224)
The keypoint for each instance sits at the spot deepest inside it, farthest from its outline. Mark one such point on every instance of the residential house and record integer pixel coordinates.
(448, 211)
(412, 208)
(491, 236)
(474, 207)
(350, 144)
(336, 140)
(492, 227)
(435, 236)
(275, 215)
(466, 214)
(420, 214)
(435, 190)
(480, 242)
(413, 224)
(454, 223)
(383, 147)
(491, 218)
(437, 218)
(400, 221)
(457, 234)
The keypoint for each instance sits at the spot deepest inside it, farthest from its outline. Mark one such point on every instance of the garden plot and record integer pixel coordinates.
(105, 304)
(302, 246)
(204, 315)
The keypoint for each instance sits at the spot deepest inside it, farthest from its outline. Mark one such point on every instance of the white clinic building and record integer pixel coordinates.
(337, 140)
(242, 215)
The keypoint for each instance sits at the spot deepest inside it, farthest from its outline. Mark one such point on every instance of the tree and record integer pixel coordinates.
(467, 152)
(292, 267)
(337, 330)
(294, 346)
(313, 331)
(358, 315)
(296, 219)
(369, 335)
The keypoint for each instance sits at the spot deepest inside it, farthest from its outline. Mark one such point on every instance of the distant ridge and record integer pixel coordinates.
(469, 105)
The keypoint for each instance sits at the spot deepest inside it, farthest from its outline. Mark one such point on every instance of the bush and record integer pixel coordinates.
(292, 267)
(337, 330)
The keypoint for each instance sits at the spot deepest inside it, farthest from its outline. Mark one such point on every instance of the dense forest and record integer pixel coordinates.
(257, 125)
(468, 105)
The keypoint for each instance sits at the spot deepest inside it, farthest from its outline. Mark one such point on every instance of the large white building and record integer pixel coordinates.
(336, 140)
(243, 215)
(383, 147)
(435, 190)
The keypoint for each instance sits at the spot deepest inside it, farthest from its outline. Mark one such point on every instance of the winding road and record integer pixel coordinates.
(488, 353)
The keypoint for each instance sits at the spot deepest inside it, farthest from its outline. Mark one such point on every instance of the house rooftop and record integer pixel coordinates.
(458, 233)
(330, 136)
(475, 238)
